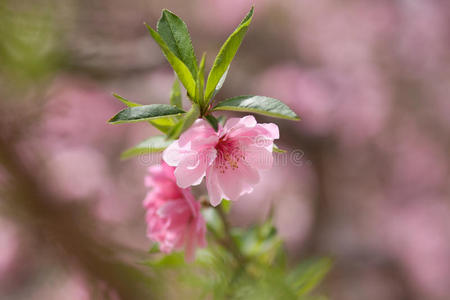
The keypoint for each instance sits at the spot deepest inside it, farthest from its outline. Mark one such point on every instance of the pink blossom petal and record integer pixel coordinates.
(272, 129)
(213, 187)
(192, 169)
(174, 154)
(259, 157)
(173, 215)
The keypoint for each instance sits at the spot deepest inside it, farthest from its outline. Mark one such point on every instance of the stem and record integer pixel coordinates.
(228, 241)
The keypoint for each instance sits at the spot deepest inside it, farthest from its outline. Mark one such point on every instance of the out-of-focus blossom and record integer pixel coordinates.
(440, 89)
(9, 250)
(341, 34)
(416, 165)
(423, 26)
(354, 107)
(230, 158)
(75, 114)
(173, 215)
(71, 286)
(417, 234)
(77, 173)
(78, 142)
(221, 16)
(304, 91)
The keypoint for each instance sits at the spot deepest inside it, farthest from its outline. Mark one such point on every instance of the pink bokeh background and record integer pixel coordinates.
(370, 80)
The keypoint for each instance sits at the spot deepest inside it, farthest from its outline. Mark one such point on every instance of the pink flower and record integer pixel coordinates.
(230, 158)
(173, 214)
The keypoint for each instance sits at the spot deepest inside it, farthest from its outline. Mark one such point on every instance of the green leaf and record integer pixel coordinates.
(308, 275)
(154, 248)
(125, 101)
(278, 150)
(220, 83)
(182, 71)
(226, 55)
(175, 94)
(200, 83)
(175, 34)
(163, 124)
(185, 122)
(213, 121)
(258, 104)
(145, 113)
(172, 260)
(154, 144)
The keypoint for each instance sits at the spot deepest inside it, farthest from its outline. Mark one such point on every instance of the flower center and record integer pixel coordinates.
(228, 155)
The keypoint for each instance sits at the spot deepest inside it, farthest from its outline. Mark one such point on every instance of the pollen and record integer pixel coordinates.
(229, 154)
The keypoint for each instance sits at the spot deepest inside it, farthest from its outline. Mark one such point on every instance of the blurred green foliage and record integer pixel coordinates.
(264, 274)
(28, 43)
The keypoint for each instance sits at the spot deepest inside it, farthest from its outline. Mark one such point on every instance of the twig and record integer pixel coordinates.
(229, 242)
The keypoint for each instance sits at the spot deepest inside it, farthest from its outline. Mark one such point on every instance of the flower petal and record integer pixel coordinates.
(212, 185)
(258, 157)
(174, 154)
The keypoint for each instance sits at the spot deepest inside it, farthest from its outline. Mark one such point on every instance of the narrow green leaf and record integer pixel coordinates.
(220, 83)
(200, 82)
(183, 72)
(175, 94)
(278, 150)
(176, 35)
(125, 101)
(185, 122)
(213, 121)
(259, 105)
(308, 275)
(152, 145)
(145, 113)
(163, 124)
(226, 55)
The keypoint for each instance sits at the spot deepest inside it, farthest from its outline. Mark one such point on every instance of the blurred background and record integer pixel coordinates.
(365, 179)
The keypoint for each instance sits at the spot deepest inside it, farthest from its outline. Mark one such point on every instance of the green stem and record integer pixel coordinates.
(228, 240)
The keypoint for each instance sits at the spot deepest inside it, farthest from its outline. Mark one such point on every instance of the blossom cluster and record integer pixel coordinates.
(229, 154)
(230, 159)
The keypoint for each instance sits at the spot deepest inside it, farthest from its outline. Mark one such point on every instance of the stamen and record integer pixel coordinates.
(229, 155)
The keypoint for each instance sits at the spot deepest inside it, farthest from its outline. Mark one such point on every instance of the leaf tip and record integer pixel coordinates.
(124, 156)
(112, 120)
(165, 11)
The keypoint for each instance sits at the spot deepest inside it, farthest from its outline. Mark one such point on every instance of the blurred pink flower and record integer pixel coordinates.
(75, 114)
(223, 16)
(230, 158)
(350, 35)
(9, 251)
(352, 107)
(173, 214)
(417, 234)
(422, 26)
